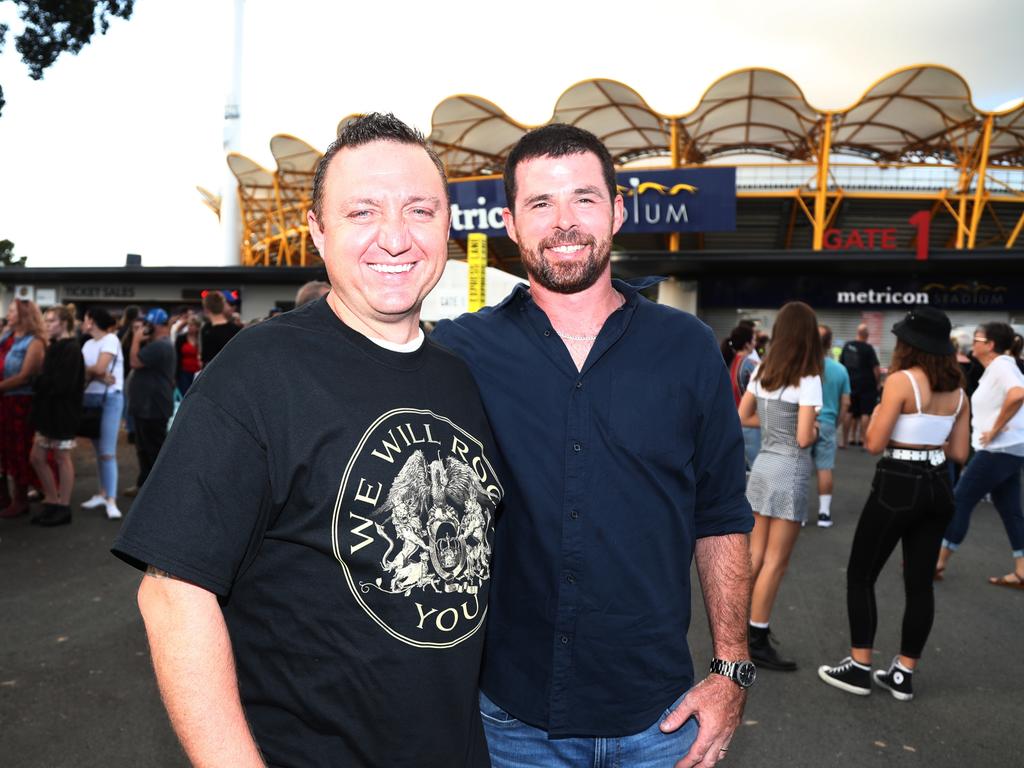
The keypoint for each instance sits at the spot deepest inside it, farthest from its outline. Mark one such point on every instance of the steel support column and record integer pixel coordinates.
(979, 188)
(821, 193)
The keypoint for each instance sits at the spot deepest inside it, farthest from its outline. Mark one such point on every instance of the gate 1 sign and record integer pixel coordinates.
(870, 239)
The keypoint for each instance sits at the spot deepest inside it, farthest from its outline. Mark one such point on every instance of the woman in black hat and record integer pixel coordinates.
(923, 420)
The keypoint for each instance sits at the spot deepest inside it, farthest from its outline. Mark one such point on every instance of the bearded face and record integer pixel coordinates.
(564, 220)
(567, 262)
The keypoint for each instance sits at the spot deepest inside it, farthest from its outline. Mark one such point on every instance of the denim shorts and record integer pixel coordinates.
(824, 450)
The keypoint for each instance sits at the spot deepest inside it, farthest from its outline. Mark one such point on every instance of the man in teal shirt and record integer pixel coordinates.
(835, 391)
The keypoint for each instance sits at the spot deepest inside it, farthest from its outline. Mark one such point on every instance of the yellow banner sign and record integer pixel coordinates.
(476, 258)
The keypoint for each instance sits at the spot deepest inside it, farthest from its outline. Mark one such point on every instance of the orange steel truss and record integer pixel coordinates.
(914, 135)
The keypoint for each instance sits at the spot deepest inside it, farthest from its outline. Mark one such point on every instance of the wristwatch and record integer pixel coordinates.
(742, 672)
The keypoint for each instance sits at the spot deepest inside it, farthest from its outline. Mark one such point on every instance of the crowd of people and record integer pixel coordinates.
(941, 407)
(66, 379)
(291, 620)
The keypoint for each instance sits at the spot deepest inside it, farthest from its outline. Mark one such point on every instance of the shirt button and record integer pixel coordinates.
(579, 385)
(577, 447)
(573, 513)
(570, 579)
(547, 333)
(564, 640)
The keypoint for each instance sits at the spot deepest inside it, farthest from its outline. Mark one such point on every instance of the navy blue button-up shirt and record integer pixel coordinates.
(612, 473)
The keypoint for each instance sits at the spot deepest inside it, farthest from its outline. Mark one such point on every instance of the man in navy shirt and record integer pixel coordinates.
(616, 425)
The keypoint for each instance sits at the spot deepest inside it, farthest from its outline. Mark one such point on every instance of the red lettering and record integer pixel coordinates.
(871, 237)
(922, 220)
(889, 239)
(854, 240)
(833, 239)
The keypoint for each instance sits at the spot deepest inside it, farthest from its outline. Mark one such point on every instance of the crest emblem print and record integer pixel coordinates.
(413, 525)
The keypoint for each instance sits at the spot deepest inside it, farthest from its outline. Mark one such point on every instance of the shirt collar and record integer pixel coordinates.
(630, 289)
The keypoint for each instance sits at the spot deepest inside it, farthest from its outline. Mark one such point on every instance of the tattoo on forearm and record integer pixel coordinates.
(156, 573)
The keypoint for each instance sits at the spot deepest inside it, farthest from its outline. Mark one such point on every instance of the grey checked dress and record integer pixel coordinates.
(779, 477)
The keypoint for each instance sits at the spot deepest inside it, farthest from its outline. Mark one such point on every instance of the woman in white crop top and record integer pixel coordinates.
(998, 439)
(922, 420)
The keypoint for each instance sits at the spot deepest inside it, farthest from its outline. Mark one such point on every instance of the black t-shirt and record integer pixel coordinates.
(151, 393)
(212, 339)
(860, 360)
(340, 499)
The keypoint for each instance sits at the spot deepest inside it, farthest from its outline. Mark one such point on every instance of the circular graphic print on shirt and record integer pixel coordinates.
(413, 526)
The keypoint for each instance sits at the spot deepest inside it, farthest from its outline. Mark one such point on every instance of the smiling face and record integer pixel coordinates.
(564, 220)
(384, 235)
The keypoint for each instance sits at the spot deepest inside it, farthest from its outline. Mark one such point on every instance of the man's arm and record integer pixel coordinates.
(195, 669)
(723, 566)
(134, 361)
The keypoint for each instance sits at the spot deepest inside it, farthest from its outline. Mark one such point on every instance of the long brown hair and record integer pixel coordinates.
(942, 371)
(795, 350)
(30, 319)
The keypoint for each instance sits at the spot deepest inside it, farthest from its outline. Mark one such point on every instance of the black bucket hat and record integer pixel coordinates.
(927, 329)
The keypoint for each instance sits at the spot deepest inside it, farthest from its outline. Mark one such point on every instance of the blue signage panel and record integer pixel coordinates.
(678, 200)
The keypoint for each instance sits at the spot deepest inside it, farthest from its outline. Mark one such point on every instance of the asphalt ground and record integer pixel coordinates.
(77, 690)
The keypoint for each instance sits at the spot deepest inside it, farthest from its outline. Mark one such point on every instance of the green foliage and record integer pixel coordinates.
(7, 257)
(55, 26)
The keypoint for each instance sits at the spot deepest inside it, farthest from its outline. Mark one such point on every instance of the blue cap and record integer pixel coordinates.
(156, 316)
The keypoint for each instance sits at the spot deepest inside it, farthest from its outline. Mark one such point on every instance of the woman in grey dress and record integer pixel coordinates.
(782, 398)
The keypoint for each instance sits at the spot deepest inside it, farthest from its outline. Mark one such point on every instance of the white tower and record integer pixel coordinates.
(230, 218)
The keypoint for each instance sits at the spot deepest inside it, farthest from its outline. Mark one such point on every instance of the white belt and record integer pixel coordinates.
(935, 456)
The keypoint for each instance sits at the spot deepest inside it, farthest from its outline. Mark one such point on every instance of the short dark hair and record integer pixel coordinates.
(557, 140)
(826, 338)
(101, 318)
(1000, 334)
(367, 129)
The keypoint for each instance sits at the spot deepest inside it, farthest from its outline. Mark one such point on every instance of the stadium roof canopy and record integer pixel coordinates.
(917, 114)
(914, 134)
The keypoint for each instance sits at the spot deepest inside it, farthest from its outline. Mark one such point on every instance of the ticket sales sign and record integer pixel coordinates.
(677, 200)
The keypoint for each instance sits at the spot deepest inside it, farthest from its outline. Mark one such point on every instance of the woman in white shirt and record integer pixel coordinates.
(997, 436)
(104, 372)
(782, 399)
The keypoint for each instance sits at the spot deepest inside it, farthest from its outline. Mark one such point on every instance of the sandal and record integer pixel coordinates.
(1011, 580)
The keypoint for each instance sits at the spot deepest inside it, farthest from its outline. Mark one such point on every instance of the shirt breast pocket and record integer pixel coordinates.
(644, 415)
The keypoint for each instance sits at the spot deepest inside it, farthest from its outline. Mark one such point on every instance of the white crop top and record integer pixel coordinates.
(923, 428)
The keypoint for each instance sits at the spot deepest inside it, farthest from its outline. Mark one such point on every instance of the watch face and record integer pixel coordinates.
(746, 673)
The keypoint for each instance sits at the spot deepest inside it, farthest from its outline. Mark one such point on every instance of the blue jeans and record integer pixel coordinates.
(106, 446)
(998, 474)
(514, 744)
(751, 444)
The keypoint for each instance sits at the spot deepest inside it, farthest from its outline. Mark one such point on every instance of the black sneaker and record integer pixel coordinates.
(897, 680)
(55, 514)
(763, 653)
(824, 520)
(848, 675)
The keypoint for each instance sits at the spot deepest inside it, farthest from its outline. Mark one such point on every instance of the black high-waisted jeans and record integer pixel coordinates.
(913, 502)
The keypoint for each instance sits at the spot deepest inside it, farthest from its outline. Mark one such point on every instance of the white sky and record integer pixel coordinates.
(102, 156)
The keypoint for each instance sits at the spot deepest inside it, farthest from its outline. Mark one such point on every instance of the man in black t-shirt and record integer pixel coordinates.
(317, 531)
(218, 330)
(861, 363)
